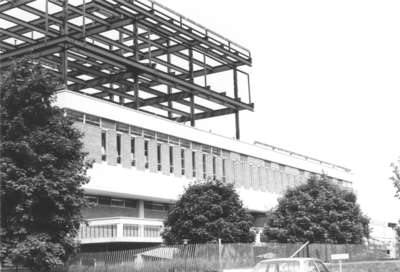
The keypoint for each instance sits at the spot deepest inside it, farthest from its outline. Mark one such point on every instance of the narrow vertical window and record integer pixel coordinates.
(171, 159)
(223, 170)
(146, 154)
(118, 148)
(183, 162)
(194, 164)
(204, 166)
(159, 157)
(103, 145)
(235, 172)
(133, 162)
(214, 167)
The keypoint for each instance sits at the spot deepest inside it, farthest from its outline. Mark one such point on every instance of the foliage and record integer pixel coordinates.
(206, 212)
(42, 170)
(396, 183)
(317, 211)
(396, 178)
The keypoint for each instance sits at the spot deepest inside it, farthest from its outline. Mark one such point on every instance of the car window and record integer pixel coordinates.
(261, 267)
(321, 266)
(273, 267)
(281, 266)
(309, 266)
(289, 267)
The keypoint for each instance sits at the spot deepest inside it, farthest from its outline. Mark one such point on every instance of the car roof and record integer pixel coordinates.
(289, 259)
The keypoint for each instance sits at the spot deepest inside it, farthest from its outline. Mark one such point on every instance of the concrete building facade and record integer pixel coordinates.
(142, 164)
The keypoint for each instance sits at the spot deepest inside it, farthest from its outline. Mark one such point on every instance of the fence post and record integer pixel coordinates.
(326, 253)
(219, 254)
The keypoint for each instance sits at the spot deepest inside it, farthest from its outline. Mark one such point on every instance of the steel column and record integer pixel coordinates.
(236, 94)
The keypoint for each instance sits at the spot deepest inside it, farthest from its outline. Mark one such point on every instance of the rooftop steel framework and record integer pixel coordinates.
(137, 53)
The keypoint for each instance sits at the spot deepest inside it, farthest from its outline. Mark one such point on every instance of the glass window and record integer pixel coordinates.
(216, 151)
(159, 157)
(183, 162)
(103, 145)
(185, 143)
(162, 137)
(173, 140)
(92, 200)
(223, 170)
(118, 148)
(149, 134)
(156, 206)
(194, 163)
(171, 159)
(214, 167)
(130, 203)
(133, 161)
(136, 131)
(103, 200)
(75, 115)
(146, 154)
(204, 166)
(92, 120)
(122, 127)
(117, 202)
(206, 148)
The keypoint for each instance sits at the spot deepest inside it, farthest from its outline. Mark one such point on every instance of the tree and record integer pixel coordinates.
(42, 171)
(396, 183)
(318, 212)
(396, 178)
(206, 212)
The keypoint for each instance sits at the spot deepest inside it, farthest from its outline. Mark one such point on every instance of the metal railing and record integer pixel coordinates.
(182, 20)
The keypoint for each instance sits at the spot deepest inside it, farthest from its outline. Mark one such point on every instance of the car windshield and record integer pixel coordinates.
(278, 266)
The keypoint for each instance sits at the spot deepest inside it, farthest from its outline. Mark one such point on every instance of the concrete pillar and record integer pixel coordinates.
(141, 208)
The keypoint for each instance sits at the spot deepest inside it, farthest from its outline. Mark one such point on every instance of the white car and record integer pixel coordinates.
(291, 265)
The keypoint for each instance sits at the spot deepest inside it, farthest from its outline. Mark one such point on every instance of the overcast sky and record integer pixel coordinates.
(325, 82)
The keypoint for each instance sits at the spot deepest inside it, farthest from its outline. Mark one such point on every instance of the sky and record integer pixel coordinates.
(325, 81)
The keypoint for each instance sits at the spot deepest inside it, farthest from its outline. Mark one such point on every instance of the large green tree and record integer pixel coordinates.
(208, 211)
(319, 212)
(42, 171)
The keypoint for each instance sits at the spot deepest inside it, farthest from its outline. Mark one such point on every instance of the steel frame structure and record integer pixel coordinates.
(137, 53)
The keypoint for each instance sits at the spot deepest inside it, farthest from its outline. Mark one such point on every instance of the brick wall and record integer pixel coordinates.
(126, 159)
(111, 147)
(92, 141)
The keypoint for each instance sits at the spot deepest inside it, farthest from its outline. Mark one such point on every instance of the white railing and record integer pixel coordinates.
(120, 229)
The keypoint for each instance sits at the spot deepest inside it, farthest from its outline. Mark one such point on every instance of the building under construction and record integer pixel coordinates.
(136, 76)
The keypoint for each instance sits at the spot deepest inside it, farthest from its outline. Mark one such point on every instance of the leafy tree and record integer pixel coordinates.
(396, 182)
(319, 212)
(207, 212)
(396, 178)
(42, 170)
